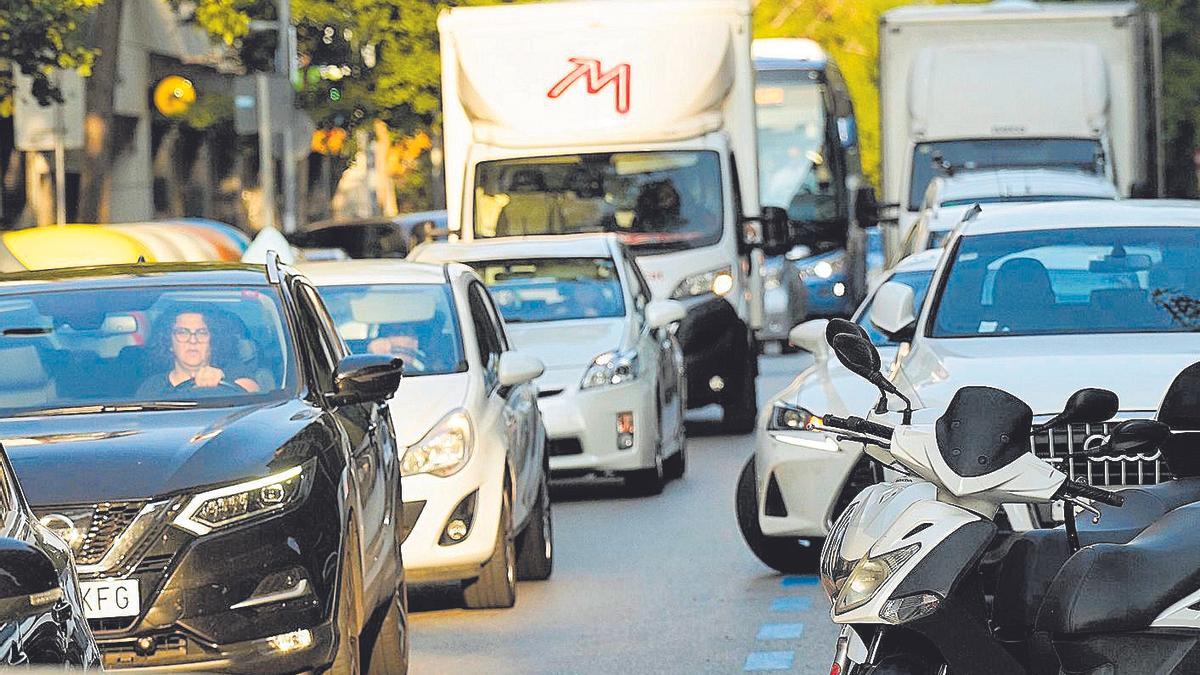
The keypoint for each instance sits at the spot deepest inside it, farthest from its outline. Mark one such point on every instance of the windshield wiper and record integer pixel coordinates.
(93, 409)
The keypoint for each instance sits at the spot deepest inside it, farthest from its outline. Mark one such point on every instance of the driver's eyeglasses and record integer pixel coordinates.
(186, 335)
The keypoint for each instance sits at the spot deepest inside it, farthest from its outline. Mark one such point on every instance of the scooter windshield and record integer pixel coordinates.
(983, 430)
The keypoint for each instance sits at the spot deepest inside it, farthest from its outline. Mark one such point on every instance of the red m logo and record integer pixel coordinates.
(596, 79)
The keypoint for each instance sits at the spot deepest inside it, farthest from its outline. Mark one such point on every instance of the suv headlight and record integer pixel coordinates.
(824, 268)
(218, 508)
(869, 575)
(785, 417)
(443, 451)
(718, 282)
(611, 368)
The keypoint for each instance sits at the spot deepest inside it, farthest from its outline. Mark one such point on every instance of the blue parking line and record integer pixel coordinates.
(769, 661)
(791, 604)
(780, 631)
(791, 581)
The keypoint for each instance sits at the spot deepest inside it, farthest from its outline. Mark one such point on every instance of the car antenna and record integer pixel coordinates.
(273, 275)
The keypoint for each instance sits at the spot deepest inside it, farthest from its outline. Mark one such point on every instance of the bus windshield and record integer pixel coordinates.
(655, 200)
(794, 165)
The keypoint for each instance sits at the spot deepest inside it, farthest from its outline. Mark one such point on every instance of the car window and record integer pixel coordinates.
(80, 347)
(324, 348)
(1084, 280)
(417, 322)
(553, 289)
(490, 346)
(918, 281)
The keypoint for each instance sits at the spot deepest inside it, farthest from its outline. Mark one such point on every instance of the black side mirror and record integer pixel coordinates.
(839, 326)
(366, 377)
(28, 579)
(866, 207)
(776, 239)
(1086, 406)
(1133, 437)
(857, 354)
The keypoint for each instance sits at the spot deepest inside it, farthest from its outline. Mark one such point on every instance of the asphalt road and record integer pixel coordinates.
(643, 585)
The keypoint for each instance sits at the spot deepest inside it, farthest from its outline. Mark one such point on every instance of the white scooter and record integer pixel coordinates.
(901, 565)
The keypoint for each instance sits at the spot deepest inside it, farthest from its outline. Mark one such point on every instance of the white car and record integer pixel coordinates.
(949, 198)
(798, 481)
(474, 477)
(612, 395)
(1045, 299)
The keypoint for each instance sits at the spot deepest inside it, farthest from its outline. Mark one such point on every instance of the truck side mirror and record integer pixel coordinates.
(866, 207)
(776, 239)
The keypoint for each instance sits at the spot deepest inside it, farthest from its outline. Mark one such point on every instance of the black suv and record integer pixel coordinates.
(223, 469)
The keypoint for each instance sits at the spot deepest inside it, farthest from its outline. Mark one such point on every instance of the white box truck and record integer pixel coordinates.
(1015, 83)
(635, 117)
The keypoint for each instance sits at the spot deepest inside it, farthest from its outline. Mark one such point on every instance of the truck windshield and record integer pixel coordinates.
(1072, 281)
(655, 200)
(794, 164)
(1080, 154)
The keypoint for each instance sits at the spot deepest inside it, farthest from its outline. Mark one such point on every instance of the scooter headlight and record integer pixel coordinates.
(869, 575)
(835, 568)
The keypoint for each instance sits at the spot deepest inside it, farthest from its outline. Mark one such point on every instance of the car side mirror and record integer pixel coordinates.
(1086, 406)
(28, 579)
(366, 377)
(517, 368)
(663, 313)
(810, 336)
(893, 311)
(866, 207)
(1133, 437)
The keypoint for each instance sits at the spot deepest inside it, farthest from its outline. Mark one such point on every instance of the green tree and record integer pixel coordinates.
(39, 36)
(1179, 21)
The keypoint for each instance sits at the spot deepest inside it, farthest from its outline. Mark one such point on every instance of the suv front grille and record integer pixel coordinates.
(96, 527)
(1055, 445)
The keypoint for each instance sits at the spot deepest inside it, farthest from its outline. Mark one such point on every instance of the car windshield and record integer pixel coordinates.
(792, 160)
(83, 350)
(1027, 153)
(1069, 281)
(416, 322)
(655, 200)
(553, 289)
(918, 281)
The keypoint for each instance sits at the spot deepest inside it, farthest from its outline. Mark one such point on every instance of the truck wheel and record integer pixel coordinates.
(535, 550)
(788, 555)
(740, 401)
(496, 586)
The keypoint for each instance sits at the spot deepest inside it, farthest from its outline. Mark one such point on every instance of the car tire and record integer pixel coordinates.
(648, 482)
(389, 654)
(740, 401)
(787, 555)
(535, 549)
(676, 465)
(496, 585)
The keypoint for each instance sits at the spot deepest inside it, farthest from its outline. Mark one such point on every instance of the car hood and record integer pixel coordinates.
(826, 387)
(566, 347)
(89, 458)
(422, 401)
(1044, 370)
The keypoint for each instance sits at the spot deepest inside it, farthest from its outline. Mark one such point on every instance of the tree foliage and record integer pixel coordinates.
(1179, 21)
(39, 36)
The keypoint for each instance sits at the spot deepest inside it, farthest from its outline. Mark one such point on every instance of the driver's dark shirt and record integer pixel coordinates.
(159, 386)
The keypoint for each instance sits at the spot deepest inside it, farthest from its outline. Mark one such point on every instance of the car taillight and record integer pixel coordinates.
(835, 669)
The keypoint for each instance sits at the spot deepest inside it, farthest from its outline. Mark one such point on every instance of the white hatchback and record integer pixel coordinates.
(474, 472)
(613, 392)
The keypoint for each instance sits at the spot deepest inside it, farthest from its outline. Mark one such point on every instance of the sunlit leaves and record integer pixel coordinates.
(39, 36)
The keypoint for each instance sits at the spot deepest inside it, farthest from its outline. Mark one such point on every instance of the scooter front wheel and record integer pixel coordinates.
(788, 555)
(901, 664)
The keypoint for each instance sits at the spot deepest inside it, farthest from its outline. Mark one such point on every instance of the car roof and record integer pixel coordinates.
(923, 261)
(1088, 213)
(778, 53)
(347, 272)
(599, 245)
(139, 274)
(1016, 183)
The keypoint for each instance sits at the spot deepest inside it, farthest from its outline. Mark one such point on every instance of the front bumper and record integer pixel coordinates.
(188, 655)
(784, 306)
(800, 476)
(715, 342)
(824, 300)
(581, 427)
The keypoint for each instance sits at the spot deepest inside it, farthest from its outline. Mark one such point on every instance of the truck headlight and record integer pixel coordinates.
(785, 417)
(611, 368)
(443, 451)
(718, 282)
(218, 508)
(824, 268)
(869, 575)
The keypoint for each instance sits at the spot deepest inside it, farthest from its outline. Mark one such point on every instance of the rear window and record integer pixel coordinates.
(553, 289)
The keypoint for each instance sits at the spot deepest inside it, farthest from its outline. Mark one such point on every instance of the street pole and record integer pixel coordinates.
(285, 62)
(60, 161)
(266, 163)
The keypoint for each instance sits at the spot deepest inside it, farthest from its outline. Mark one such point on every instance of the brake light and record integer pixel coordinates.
(835, 669)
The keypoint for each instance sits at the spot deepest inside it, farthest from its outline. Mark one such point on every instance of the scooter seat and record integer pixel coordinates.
(1107, 588)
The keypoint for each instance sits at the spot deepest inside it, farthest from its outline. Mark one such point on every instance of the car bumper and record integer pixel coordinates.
(581, 428)
(252, 656)
(431, 501)
(808, 470)
(824, 300)
(713, 339)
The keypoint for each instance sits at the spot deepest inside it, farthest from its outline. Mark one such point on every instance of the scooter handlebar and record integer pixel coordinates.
(1075, 489)
(857, 425)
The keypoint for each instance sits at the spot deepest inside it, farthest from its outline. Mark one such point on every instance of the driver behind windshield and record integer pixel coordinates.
(195, 345)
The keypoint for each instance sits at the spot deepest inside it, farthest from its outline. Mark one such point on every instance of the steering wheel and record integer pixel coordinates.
(189, 385)
(413, 358)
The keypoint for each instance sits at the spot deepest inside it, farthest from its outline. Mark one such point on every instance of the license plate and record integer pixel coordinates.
(109, 598)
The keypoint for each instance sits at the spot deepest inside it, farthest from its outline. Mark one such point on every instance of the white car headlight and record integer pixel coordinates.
(785, 417)
(611, 368)
(824, 268)
(443, 451)
(718, 282)
(217, 508)
(869, 575)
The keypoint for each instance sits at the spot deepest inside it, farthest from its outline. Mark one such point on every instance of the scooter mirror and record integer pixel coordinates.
(857, 354)
(1086, 406)
(1133, 437)
(837, 327)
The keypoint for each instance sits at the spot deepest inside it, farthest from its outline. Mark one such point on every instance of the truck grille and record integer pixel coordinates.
(1101, 470)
